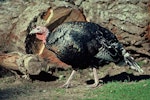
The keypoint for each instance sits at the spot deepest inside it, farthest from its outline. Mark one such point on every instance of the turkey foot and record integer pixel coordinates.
(27, 77)
(93, 85)
(67, 84)
(95, 79)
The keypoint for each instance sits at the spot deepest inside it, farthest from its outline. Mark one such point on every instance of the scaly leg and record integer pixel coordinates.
(95, 79)
(66, 85)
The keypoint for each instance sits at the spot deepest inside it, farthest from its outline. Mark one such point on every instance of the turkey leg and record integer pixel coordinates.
(96, 80)
(66, 85)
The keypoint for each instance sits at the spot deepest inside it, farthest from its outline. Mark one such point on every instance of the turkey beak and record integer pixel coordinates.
(32, 32)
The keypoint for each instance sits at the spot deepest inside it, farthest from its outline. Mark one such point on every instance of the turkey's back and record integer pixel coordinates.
(78, 43)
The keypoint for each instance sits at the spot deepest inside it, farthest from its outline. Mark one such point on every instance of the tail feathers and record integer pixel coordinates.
(130, 61)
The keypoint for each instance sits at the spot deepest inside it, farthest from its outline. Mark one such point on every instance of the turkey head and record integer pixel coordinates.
(35, 44)
(41, 33)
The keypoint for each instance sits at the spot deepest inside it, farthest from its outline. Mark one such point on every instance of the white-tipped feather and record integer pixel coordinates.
(131, 62)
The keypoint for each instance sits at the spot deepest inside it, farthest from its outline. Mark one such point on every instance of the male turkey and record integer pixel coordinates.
(84, 44)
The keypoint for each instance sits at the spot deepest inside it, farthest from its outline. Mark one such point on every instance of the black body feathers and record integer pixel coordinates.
(84, 44)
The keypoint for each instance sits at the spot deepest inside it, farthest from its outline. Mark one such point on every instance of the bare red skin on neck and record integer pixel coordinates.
(41, 36)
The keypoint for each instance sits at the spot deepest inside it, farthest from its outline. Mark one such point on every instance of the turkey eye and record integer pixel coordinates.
(38, 29)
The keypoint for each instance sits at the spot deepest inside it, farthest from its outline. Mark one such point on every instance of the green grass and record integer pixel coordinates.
(121, 91)
(141, 63)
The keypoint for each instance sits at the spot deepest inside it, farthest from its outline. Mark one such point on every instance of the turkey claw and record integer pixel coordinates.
(26, 77)
(65, 86)
(93, 85)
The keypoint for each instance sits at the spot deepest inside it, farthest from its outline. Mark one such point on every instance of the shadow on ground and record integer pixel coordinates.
(43, 76)
(121, 77)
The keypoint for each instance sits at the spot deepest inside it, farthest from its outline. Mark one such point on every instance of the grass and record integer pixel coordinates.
(141, 63)
(121, 91)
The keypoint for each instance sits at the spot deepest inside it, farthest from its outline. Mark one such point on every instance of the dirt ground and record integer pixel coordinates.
(47, 86)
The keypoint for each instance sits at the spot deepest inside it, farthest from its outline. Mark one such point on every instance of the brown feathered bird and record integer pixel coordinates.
(84, 44)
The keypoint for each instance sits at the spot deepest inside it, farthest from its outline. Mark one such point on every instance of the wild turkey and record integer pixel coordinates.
(84, 44)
